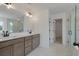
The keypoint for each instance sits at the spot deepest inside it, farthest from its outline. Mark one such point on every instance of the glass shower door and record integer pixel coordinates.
(69, 32)
(71, 29)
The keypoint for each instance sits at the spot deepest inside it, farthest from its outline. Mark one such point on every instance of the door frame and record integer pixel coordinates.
(61, 29)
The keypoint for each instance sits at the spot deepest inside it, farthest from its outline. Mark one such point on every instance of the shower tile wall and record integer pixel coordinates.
(52, 30)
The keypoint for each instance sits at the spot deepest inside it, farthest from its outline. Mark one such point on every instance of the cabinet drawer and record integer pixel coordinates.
(27, 38)
(28, 50)
(36, 40)
(28, 44)
(37, 35)
(5, 43)
(18, 40)
(10, 42)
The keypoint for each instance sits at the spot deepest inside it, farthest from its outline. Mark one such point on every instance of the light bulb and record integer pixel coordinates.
(10, 6)
(30, 15)
(27, 14)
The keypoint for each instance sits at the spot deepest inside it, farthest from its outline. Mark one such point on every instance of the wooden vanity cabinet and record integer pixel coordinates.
(35, 41)
(19, 46)
(28, 44)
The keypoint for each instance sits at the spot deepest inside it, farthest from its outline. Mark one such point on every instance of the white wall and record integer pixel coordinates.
(39, 23)
(44, 28)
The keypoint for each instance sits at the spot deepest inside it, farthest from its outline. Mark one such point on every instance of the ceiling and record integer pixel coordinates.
(53, 7)
(36, 7)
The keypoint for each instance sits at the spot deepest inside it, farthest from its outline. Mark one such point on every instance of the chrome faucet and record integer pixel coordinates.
(5, 33)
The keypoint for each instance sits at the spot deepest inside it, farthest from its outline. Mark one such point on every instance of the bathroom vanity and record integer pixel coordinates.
(19, 46)
(21, 40)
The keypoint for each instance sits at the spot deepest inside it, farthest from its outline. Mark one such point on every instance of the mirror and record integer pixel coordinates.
(11, 20)
(1, 25)
(14, 25)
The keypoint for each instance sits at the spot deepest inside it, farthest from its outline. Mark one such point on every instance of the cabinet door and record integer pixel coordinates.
(36, 41)
(18, 49)
(6, 51)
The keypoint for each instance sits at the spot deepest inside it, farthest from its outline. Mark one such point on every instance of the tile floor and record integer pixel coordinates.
(54, 50)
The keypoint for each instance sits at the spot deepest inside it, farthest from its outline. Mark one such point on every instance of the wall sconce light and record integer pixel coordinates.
(8, 5)
(29, 14)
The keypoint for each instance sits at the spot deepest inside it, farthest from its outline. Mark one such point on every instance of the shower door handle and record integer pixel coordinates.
(70, 32)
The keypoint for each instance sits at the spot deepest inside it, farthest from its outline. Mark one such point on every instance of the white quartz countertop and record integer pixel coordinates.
(14, 36)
